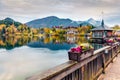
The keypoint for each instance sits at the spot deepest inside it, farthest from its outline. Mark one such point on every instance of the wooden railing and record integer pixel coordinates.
(88, 69)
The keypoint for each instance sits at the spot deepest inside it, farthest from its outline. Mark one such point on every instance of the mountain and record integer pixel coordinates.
(90, 22)
(94, 22)
(8, 21)
(50, 22)
(55, 21)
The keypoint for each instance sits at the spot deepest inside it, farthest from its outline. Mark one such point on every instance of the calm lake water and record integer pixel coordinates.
(21, 57)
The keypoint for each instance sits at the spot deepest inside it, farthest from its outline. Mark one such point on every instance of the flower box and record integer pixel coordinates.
(80, 56)
(118, 39)
(110, 41)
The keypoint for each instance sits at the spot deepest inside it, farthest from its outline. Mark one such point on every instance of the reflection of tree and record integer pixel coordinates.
(58, 39)
(62, 39)
(82, 40)
(15, 41)
(22, 41)
(2, 43)
(34, 39)
(47, 40)
(11, 41)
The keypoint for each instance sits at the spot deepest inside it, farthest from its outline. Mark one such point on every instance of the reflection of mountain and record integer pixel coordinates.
(52, 46)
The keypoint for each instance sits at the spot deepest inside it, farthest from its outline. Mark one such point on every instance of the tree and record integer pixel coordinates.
(116, 27)
(80, 25)
(53, 29)
(47, 30)
(61, 27)
(29, 30)
(23, 28)
(3, 30)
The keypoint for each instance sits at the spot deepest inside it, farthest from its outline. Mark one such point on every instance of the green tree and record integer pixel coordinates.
(3, 30)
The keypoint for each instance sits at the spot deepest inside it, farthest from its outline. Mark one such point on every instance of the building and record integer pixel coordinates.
(71, 30)
(101, 31)
(117, 33)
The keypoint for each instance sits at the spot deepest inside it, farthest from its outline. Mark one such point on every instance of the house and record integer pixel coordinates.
(101, 31)
(117, 33)
(71, 30)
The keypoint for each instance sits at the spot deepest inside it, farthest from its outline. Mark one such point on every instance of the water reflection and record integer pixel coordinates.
(23, 56)
(53, 42)
(10, 42)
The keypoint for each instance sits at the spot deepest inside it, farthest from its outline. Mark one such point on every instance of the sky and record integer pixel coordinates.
(78, 10)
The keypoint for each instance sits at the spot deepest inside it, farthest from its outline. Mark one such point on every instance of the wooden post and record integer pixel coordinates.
(116, 51)
(112, 54)
(103, 62)
(82, 71)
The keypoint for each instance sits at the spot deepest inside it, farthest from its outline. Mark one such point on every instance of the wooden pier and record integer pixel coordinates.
(112, 71)
(89, 69)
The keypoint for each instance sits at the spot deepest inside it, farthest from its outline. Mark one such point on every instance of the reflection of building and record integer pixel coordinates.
(71, 39)
(101, 31)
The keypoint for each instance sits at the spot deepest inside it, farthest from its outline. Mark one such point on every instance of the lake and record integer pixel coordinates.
(21, 57)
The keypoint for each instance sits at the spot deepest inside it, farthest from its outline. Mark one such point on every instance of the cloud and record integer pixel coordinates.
(113, 18)
(74, 9)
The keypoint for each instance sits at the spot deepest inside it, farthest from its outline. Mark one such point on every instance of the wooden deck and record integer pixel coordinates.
(113, 71)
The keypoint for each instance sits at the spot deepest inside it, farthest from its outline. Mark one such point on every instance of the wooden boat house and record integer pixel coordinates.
(101, 32)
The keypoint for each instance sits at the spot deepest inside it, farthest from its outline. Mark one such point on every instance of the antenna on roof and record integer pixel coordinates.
(102, 14)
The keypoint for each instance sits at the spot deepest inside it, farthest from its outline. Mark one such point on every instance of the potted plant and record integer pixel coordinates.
(110, 41)
(80, 53)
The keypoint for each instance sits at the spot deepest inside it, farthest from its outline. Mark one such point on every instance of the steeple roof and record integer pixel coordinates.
(102, 27)
(102, 23)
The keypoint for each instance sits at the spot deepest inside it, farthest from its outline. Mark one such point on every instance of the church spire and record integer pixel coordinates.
(102, 23)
